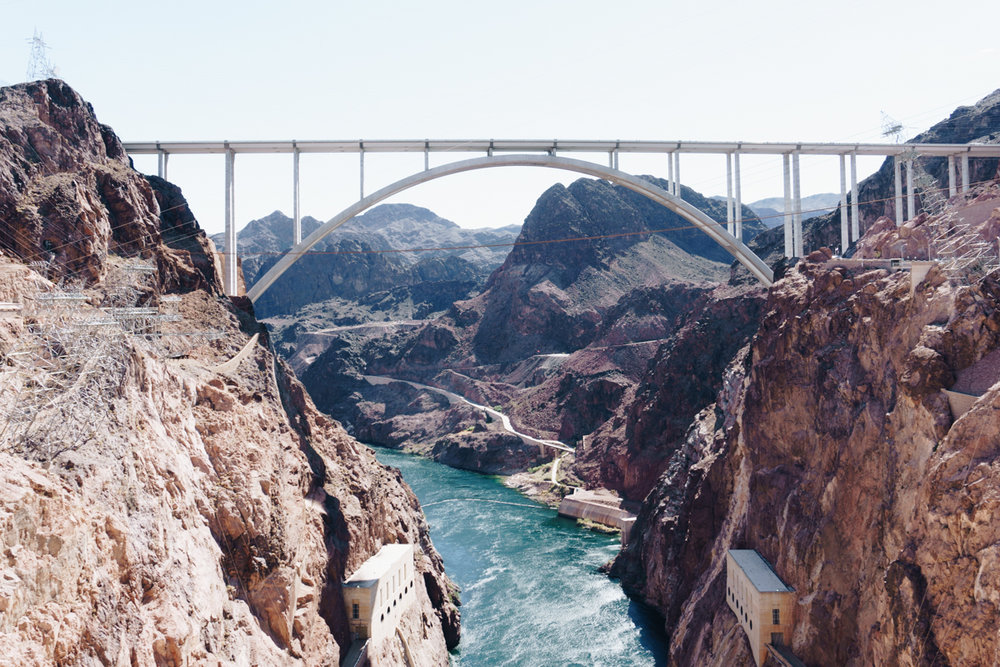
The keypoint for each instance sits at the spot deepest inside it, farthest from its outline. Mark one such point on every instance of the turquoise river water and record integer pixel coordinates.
(531, 590)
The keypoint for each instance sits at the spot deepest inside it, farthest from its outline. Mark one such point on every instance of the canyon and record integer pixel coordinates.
(180, 483)
(808, 421)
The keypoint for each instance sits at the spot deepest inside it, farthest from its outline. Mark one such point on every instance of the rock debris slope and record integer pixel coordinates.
(153, 508)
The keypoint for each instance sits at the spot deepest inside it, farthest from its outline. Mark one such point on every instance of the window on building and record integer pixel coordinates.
(775, 617)
(355, 612)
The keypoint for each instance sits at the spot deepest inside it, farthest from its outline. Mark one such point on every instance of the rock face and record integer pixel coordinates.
(630, 449)
(169, 499)
(832, 451)
(560, 338)
(67, 195)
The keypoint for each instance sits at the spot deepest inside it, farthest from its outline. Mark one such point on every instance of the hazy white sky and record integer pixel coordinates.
(772, 70)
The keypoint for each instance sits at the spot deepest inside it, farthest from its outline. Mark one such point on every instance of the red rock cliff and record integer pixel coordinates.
(831, 449)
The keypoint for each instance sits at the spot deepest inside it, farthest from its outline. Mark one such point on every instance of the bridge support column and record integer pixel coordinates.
(670, 173)
(844, 231)
(855, 212)
(789, 244)
(730, 227)
(739, 201)
(911, 210)
(361, 153)
(965, 173)
(952, 188)
(427, 154)
(161, 164)
(296, 215)
(677, 174)
(797, 196)
(897, 181)
(230, 279)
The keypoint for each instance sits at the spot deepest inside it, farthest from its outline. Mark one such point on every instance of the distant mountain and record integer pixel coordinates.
(390, 247)
(270, 234)
(601, 282)
(771, 209)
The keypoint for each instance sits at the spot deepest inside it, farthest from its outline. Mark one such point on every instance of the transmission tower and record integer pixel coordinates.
(891, 128)
(39, 66)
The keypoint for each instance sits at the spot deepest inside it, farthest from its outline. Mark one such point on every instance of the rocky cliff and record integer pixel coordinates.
(832, 450)
(560, 339)
(168, 493)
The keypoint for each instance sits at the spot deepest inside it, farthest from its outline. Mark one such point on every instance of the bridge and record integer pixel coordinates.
(545, 153)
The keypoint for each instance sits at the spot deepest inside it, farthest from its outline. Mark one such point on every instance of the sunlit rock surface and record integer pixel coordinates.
(159, 505)
(831, 449)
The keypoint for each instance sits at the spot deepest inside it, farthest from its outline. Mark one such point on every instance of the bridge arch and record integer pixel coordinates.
(713, 229)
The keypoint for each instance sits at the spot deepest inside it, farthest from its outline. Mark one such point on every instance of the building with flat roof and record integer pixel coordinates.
(379, 591)
(760, 599)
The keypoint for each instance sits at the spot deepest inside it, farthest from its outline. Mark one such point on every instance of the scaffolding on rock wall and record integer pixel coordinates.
(960, 248)
(65, 371)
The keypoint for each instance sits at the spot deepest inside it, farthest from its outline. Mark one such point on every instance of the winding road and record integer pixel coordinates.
(455, 398)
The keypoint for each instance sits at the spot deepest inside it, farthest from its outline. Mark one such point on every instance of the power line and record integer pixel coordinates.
(574, 239)
(198, 231)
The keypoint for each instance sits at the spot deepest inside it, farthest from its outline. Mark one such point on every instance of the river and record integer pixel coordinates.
(531, 590)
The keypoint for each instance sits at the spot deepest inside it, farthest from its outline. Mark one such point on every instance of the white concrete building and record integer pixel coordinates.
(379, 591)
(760, 599)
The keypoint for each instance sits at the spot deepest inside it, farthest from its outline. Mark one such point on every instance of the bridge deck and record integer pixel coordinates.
(556, 146)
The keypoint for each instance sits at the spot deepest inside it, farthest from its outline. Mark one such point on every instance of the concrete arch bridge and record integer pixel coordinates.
(544, 154)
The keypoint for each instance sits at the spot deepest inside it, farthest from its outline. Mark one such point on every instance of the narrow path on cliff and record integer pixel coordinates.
(456, 398)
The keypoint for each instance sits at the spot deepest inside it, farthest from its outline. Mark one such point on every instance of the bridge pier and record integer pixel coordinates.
(911, 210)
(296, 215)
(797, 207)
(161, 163)
(670, 173)
(789, 241)
(897, 181)
(230, 276)
(855, 212)
(730, 227)
(844, 231)
(965, 173)
(739, 201)
(361, 153)
(677, 175)
(952, 189)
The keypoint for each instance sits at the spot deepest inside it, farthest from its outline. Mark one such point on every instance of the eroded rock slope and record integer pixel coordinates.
(831, 449)
(172, 498)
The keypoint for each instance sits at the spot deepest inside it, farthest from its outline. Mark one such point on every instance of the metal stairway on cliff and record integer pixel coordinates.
(960, 248)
